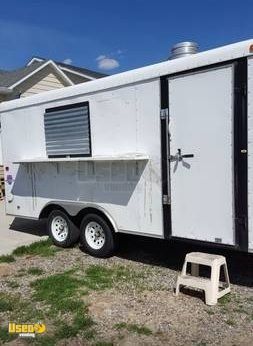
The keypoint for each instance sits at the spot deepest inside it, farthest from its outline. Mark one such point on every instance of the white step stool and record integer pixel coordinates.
(212, 285)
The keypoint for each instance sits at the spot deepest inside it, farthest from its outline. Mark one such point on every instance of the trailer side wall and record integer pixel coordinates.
(123, 120)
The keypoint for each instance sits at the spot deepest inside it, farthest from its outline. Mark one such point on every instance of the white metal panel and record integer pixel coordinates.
(23, 134)
(123, 121)
(1, 155)
(1, 151)
(200, 107)
(250, 152)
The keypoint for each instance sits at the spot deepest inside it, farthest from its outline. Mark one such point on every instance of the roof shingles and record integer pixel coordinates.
(82, 70)
(8, 78)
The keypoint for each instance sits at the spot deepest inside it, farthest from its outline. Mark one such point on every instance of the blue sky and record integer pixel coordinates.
(113, 36)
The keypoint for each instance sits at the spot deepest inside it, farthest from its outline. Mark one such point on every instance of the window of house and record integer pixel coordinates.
(67, 130)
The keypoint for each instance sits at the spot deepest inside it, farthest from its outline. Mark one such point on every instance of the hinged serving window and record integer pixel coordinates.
(67, 130)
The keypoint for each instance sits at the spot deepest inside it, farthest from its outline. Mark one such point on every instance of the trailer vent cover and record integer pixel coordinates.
(183, 49)
(67, 131)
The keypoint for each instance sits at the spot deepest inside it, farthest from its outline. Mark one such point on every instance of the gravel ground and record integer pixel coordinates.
(149, 301)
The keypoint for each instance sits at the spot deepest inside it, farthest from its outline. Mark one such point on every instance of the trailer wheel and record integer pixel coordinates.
(97, 238)
(61, 229)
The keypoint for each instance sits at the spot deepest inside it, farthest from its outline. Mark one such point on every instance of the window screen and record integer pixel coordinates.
(67, 130)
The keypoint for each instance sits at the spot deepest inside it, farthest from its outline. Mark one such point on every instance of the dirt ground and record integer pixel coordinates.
(15, 232)
(134, 304)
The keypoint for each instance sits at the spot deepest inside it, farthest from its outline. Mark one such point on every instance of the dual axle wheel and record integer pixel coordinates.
(96, 236)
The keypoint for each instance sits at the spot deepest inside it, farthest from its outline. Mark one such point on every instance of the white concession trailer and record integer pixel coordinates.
(163, 151)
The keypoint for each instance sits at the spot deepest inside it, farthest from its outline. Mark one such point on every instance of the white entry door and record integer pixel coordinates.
(201, 127)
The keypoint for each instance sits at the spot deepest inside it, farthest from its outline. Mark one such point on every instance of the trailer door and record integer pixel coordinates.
(201, 155)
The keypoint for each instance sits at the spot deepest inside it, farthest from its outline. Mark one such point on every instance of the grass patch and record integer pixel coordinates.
(230, 322)
(26, 311)
(226, 299)
(21, 272)
(249, 299)
(57, 290)
(7, 259)
(20, 310)
(241, 310)
(81, 324)
(141, 330)
(42, 248)
(35, 271)
(56, 296)
(62, 293)
(7, 303)
(12, 284)
(5, 336)
(99, 277)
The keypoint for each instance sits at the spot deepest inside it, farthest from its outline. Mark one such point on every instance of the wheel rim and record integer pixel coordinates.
(60, 229)
(94, 235)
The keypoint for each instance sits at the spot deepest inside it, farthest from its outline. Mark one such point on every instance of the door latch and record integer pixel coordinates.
(166, 199)
(179, 156)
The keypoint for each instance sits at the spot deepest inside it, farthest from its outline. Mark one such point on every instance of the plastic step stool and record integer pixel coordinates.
(211, 286)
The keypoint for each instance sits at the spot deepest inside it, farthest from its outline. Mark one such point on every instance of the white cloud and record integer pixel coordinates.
(106, 63)
(68, 61)
(100, 57)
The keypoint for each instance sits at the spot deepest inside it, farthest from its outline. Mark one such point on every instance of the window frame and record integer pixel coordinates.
(67, 107)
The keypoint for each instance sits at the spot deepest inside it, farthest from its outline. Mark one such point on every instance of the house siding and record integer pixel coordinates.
(50, 82)
(44, 80)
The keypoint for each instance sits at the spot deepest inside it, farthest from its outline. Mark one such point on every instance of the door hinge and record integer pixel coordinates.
(164, 113)
(166, 199)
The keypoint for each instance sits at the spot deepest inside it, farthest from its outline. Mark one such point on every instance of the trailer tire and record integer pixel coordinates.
(61, 229)
(97, 237)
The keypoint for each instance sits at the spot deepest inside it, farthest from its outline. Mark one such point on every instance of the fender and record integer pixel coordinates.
(73, 208)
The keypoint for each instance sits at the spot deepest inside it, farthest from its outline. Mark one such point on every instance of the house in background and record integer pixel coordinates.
(37, 76)
(42, 75)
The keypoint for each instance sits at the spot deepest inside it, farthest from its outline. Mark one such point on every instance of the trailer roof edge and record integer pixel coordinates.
(220, 54)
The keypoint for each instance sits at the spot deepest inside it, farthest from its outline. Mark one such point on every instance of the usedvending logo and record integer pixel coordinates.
(27, 329)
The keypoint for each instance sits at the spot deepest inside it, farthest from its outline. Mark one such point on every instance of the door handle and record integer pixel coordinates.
(187, 156)
(179, 156)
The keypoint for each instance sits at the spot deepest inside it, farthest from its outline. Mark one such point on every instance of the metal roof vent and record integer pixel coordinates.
(182, 49)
